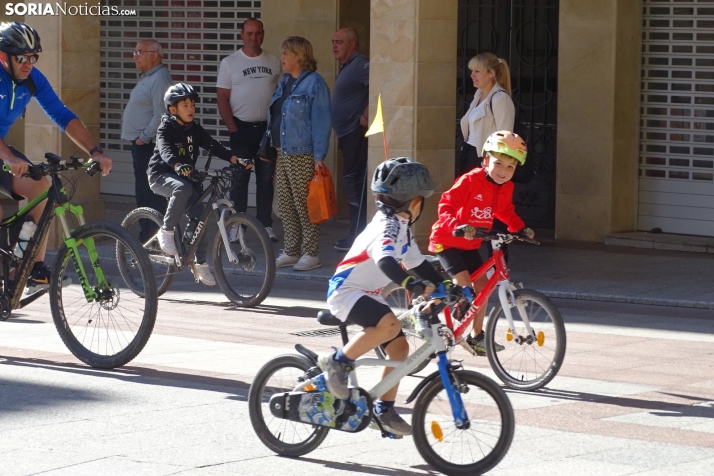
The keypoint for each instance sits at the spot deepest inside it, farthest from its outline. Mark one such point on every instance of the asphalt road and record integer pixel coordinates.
(635, 395)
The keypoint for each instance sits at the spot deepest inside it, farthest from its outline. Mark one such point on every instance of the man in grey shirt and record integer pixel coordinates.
(141, 119)
(348, 112)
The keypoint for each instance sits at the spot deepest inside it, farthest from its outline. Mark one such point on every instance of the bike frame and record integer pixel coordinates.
(500, 279)
(402, 368)
(57, 204)
(223, 207)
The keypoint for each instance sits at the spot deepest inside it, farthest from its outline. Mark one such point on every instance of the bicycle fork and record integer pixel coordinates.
(508, 300)
(223, 208)
(72, 245)
(450, 382)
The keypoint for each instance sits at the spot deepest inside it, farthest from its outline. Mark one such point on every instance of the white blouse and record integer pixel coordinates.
(481, 121)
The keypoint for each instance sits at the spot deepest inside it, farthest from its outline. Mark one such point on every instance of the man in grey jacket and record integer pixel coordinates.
(141, 119)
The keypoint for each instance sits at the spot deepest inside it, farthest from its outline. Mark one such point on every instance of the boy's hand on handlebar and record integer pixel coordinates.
(245, 163)
(418, 287)
(183, 169)
(467, 231)
(527, 232)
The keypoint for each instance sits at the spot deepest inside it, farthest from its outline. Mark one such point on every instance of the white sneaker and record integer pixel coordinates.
(284, 260)
(204, 274)
(271, 234)
(166, 241)
(307, 263)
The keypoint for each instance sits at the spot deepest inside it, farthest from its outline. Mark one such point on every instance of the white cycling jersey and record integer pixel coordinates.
(358, 274)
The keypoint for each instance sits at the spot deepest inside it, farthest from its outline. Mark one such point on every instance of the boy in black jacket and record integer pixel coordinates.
(177, 141)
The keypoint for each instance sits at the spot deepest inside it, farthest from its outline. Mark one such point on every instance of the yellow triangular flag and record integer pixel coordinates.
(378, 123)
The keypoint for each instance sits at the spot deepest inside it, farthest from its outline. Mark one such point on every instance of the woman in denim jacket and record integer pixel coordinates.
(299, 124)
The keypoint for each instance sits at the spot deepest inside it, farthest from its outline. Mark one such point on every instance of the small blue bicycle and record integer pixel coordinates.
(463, 421)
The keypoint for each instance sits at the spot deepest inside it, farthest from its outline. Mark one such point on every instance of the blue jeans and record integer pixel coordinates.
(244, 144)
(141, 154)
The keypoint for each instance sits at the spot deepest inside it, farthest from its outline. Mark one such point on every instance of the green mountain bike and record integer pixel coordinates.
(104, 317)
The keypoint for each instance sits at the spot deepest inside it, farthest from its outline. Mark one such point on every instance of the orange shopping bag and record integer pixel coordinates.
(321, 200)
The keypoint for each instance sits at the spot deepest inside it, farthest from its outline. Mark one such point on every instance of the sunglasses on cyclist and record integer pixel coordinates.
(24, 59)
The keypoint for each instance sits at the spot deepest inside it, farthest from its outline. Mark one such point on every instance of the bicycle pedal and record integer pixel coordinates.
(392, 436)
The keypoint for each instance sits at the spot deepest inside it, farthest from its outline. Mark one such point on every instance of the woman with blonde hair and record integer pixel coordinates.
(299, 128)
(491, 110)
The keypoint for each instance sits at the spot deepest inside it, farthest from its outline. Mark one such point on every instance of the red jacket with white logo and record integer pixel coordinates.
(473, 200)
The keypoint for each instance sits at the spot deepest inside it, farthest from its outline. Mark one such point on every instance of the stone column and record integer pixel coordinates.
(598, 118)
(413, 67)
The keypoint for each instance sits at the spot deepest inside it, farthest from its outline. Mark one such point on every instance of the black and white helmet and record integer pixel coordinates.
(402, 179)
(17, 38)
(177, 92)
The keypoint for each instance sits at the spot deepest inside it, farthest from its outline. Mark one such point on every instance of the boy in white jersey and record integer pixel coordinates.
(375, 260)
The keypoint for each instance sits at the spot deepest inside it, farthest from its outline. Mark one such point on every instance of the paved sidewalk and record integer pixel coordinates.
(571, 270)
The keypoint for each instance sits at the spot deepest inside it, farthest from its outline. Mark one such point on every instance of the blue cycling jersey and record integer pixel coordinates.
(15, 97)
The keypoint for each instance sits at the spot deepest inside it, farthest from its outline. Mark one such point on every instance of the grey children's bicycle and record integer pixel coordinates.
(243, 255)
(103, 317)
(463, 421)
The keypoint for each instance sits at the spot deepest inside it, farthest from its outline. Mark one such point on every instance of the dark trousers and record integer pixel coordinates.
(141, 154)
(244, 144)
(354, 174)
(182, 193)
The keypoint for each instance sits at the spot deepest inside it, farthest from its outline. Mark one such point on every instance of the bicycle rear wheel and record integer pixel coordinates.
(284, 437)
(399, 301)
(248, 281)
(526, 363)
(477, 447)
(163, 271)
(109, 329)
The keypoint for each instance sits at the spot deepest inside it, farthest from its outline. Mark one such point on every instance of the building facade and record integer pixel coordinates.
(614, 96)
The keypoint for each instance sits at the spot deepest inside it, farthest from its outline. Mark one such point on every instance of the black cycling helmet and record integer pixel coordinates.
(401, 179)
(177, 92)
(18, 38)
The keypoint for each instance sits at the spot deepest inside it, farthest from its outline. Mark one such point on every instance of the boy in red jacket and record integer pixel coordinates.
(475, 200)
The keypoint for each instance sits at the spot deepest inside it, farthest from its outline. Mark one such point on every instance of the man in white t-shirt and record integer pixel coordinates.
(245, 86)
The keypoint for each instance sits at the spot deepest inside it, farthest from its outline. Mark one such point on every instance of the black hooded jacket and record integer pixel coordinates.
(177, 144)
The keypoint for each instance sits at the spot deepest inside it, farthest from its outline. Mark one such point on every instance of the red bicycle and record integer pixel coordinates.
(525, 322)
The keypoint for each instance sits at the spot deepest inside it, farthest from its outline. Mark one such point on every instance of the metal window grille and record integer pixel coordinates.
(195, 36)
(677, 117)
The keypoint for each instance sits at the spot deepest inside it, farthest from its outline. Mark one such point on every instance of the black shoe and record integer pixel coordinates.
(345, 243)
(40, 279)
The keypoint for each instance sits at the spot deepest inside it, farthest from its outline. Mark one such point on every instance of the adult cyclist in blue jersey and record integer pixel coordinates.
(19, 82)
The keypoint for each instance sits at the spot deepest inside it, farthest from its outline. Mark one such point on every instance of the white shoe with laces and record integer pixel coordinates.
(166, 241)
(205, 275)
(285, 260)
(307, 262)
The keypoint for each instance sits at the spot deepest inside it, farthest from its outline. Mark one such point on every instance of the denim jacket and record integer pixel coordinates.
(305, 127)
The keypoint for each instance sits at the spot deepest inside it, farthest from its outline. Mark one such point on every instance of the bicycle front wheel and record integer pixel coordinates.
(100, 317)
(164, 267)
(528, 362)
(248, 279)
(284, 437)
(399, 301)
(479, 445)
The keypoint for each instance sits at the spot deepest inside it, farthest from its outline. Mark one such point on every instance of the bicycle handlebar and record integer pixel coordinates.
(56, 164)
(453, 294)
(228, 172)
(492, 235)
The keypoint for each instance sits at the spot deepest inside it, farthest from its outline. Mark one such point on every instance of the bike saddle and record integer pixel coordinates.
(327, 319)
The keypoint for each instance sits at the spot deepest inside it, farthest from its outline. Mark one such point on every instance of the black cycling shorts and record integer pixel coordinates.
(455, 260)
(367, 312)
(6, 177)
